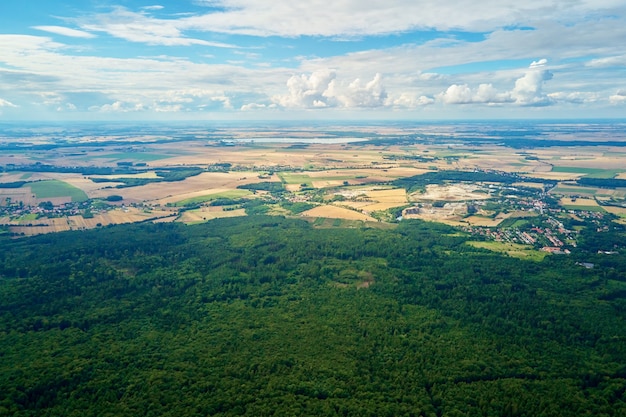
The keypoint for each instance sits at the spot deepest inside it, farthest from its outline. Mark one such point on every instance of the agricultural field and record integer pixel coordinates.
(57, 189)
(511, 249)
(336, 212)
(350, 170)
(586, 204)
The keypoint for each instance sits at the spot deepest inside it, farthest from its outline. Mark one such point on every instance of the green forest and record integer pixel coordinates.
(269, 316)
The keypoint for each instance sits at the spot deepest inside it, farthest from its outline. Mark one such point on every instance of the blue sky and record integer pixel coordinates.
(284, 59)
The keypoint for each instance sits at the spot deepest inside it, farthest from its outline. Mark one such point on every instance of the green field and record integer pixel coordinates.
(137, 156)
(291, 178)
(514, 250)
(599, 209)
(573, 190)
(513, 222)
(588, 172)
(55, 188)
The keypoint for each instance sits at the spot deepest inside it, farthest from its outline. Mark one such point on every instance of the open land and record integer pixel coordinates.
(336, 172)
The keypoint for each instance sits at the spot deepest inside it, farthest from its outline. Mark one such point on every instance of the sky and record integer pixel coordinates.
(91, 60)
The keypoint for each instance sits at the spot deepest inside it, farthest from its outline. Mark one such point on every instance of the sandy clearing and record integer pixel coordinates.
(335, 212)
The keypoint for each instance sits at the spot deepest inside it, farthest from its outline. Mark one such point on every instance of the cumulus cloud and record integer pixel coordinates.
(463, 94)
(528, 90)
(253, 106)
(370, 94)
(314, 91)
(321, 89)
(409, 101)
(118, 107)
(619, 97)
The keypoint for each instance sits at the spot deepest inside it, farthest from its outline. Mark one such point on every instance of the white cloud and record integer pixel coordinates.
(118, 107)
(253, 106)
(60, 30)
(6, 103)
(314, 91)
(618, 98)
(575, 97)
(375, 17)
(370, 94)
(484, 94)
(610, 61)
(409, 101)
(139, 27)
(321, 89)
(528, 90)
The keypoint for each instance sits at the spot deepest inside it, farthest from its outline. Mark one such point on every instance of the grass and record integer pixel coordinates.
(583, 208)
(574, 190)
(290, 178)
(514, 250)
(28, 217)
(513, 222)
(589, 172)
(210, 197)
(56, 188)
(137, 156)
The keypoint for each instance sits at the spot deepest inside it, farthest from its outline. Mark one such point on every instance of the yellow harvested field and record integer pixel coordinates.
(395, 195)
(60, 224)
(528, 184)
(558, 176)
(618, 211)
(382, 206)
(164, 192)
(18, 194)
(483, 221)
(292, 187)
(358, 205)
(323, 184)
(335, 212)
(209, 213)
(43, 226)
(588, 202)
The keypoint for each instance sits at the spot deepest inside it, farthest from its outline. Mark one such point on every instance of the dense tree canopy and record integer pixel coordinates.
(268, 316)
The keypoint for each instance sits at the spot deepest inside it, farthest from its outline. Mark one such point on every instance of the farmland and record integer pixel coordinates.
(341, 172)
